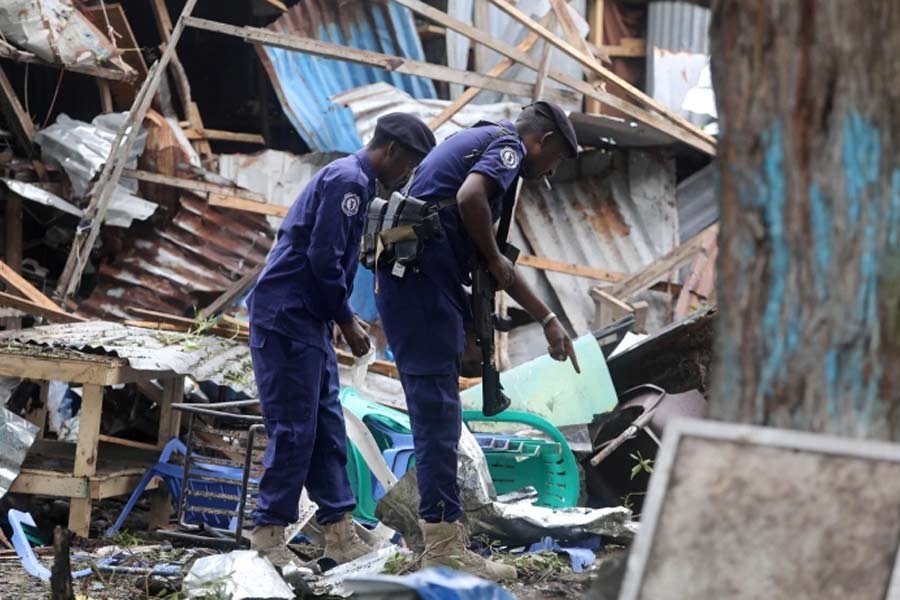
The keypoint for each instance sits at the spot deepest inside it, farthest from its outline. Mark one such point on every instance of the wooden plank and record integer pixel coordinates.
(13, 211)
(542, 72)
(86, 455)
(194, 185)
(481, 19)
(545, 264)
(170, 420)
(185, 324)
(101, 372)
(14, 54)
(21, 285)
(58, 485)
(16, 116)
(255, 35)
(498, 71)
(259, 207)
(109, 439)
(627, 48)
(150, 390)
(702, 266)
(103, 189)
(662, 267)
(595, 37)
(106, 103)
(430, 30)
(122, 93)
(590, 63)
(227, 298)
(570, 30)
(225, 136)
(36, 310)
(655, 121)
(121, 484)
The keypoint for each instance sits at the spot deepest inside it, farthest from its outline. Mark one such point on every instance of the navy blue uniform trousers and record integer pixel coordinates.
(298, 391)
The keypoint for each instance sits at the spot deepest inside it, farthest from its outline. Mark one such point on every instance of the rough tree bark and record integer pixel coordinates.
(808, 93)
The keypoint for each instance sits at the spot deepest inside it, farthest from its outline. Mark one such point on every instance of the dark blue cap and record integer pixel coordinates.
(408, 130)
(562, 124)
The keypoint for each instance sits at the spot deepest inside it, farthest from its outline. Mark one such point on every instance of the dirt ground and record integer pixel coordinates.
(16, 584)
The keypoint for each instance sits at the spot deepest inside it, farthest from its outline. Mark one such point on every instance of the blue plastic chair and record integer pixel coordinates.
(172, 474)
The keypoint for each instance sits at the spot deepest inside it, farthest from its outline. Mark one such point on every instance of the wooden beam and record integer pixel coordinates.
(255, 35)
(542, 72)
(14, 54)
(595, 37)
(86, 455)
(545, 264)
(103, 189)
(109, 439)
(498, 71)
(37, 310)
(16, 116)
(106, 102)
(590, 63)
(24, 287)
(13, 211)
(227, 298)
(570, 30)
(170, 420)
(481, 19)
(225, 136)
(253, 206)
(678, 132)
(430, 30)
(627, 48)
(193, 185)
(663, 266)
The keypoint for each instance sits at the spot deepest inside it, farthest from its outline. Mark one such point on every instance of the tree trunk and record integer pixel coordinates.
(808, 93)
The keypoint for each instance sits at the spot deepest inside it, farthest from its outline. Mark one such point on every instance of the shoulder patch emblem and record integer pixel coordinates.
(350, 204)
(509, 158)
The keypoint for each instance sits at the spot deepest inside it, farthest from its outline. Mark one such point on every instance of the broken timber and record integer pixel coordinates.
(256, 35)
(16, 116)
(608, 75)
(12, 53)
(668, 123)
(101, 195)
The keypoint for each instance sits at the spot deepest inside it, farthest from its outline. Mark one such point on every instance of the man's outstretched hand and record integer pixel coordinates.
(560, 344)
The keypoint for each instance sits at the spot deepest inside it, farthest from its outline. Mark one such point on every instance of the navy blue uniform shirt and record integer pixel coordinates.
(423, 312)
(308, 277)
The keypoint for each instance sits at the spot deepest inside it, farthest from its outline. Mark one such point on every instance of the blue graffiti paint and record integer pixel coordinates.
(894, 209)
(861, 155)
(820, 221)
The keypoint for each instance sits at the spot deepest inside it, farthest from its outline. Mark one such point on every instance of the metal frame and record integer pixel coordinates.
(745, 434)
(255, 428)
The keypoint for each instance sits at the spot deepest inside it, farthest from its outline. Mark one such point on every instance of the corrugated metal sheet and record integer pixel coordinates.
(305, 84)
(620, 219)
(205, 358)
(698, 202)
(203, 249)
(368, 103)
(677, 52)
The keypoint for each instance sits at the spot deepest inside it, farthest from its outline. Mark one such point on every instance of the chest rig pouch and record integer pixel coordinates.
(397, 228)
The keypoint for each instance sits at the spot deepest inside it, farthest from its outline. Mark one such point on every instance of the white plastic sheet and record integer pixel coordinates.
(238, 575)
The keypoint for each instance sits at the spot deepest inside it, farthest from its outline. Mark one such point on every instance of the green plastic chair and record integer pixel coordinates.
(548, 466)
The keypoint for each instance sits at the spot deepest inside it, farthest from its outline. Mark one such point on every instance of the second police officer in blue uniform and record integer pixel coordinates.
(301, 293)
(424, 308)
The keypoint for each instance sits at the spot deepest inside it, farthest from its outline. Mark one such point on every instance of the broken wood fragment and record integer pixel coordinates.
(61, 571)
(37, 310)
(16, 116)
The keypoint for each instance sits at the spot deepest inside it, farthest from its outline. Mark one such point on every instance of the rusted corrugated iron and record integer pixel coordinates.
(180, 264)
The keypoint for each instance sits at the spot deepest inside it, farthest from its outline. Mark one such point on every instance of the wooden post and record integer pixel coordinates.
(160, 508)
(595, 36)
(170, 420)
(542, 73)
(61, 572)
(86, 456)
(13, 252)
(106, 102)
(481, 18)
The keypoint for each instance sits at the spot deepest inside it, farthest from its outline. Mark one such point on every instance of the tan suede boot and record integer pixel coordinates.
(446, 546)
(342, 543)
(268, 540)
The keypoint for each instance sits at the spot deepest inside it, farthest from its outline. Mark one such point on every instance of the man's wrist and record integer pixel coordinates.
(548, 318)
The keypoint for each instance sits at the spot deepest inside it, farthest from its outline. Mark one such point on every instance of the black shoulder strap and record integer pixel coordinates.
(509, 205)
(499, 133)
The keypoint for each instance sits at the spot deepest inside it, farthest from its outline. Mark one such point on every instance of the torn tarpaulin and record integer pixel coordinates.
(81, 149)
(581, 557)
(429, 584)
(16, 437)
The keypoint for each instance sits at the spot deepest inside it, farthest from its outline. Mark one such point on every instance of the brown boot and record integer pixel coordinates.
(342, 543)
(268, 540)
(446, 546)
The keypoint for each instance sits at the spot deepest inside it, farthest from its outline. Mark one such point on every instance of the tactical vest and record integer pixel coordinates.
(397, 228)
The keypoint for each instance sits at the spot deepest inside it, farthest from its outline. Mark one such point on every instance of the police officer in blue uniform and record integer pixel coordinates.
(301, 293)
(424, 308)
